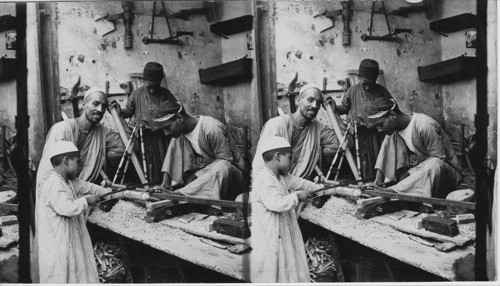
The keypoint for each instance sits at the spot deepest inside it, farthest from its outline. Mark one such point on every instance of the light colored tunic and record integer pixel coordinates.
(433, 165)
(64, 246)
(93, 146)
(307, 143)
(278, 251)
(217, 163)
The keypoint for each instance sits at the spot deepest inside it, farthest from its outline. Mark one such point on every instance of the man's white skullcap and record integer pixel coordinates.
(273, 143)
(61, 147)
(308, 86)
(92, 90)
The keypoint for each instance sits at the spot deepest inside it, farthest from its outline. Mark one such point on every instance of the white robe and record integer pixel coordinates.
(64, 246)
(278, 253)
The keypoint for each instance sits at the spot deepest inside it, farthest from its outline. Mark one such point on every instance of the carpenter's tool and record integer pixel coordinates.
(126, 156)
(172, 39)
(357, 148)
(341, 185)
(404, 11)
(342, 148)
(330, 14)
(143, 154)
(126, 188)
(195, 200)
(391, 36)
(207, 10)
(345, 12)
(127, 22)
(125, 139)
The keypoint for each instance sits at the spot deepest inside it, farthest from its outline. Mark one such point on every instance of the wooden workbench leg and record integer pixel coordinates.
(336, 258)
(390, 273)
(126, 261)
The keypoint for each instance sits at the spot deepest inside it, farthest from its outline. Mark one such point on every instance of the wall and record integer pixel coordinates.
(82, 51)
(240, 99)
(8, 101)
(301, 47)
(459, 98)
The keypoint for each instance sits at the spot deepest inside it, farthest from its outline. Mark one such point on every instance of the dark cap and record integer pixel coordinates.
(153, 72)
(368, 69)
(377, 110)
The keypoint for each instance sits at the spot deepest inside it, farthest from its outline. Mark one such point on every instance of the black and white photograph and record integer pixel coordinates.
(235, 142)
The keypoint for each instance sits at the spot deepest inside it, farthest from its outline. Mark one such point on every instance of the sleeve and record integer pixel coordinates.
(218, 142)
(295, 183)
(64, 205)
(83, 188)
(129, 109)
(429, 135)
(114, 142)
(276, 201)
(345, 105)
(328, 137)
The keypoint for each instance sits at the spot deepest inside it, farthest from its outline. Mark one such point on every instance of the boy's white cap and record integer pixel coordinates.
(61, 147)
(274, 142)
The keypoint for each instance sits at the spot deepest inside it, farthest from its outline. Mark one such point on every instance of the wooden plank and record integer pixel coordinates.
(7, 242)
(425, 200)
(197, 227)
(8, 220)
(406, 225)
(201, 201)
(369, 201)
(9, 207)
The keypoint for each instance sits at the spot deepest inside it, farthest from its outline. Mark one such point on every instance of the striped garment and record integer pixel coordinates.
(64, 247)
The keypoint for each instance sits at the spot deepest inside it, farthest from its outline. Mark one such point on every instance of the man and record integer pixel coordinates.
(139, 105)
(354, 104)
(416, 153)
(308, 137)
(95, 141)
(203, 157)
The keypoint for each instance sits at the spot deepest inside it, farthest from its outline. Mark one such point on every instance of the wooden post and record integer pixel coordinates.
(21, 151)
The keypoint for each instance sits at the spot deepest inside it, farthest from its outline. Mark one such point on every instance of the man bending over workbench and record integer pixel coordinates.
(202, 156)
(416, 153)
(308, 137)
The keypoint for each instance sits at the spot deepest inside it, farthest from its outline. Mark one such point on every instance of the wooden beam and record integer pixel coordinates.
(369, 201)
(9, 207)
(201, 201)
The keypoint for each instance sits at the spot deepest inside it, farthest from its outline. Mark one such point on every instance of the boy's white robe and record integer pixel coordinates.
(64, 245)
(278, 253)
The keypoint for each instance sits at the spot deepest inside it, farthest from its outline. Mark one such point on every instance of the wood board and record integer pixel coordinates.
(406, 224)
(197, 227)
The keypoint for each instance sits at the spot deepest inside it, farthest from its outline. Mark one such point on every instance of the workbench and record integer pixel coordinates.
(338, 216)
(126, 219)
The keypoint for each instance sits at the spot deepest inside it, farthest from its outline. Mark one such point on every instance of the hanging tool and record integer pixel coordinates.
(391, 36)
(345, 12)
(207, 10)
(404, 11)
(173, 39)
(74, 99)
(127, 22)
(126, 156)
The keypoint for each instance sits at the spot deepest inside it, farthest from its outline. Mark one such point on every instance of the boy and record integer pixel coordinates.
(278, 253)
(64, 246)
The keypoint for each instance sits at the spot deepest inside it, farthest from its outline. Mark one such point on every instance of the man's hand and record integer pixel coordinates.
(303, 195)
(114, 104)
(92, 200)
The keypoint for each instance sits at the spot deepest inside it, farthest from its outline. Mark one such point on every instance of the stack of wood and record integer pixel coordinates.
(320, 259)
(110, 266)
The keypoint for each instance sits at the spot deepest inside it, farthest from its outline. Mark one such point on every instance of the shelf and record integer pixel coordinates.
(227, 73)
(450, 70)
(233, 26)
(453, 24)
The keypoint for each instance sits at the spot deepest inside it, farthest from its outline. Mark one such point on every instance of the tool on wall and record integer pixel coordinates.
(391, 36)
(404, 11)
(173, 39)
(345, 12)
(74, 99)
(127, 22)
(208, 9)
